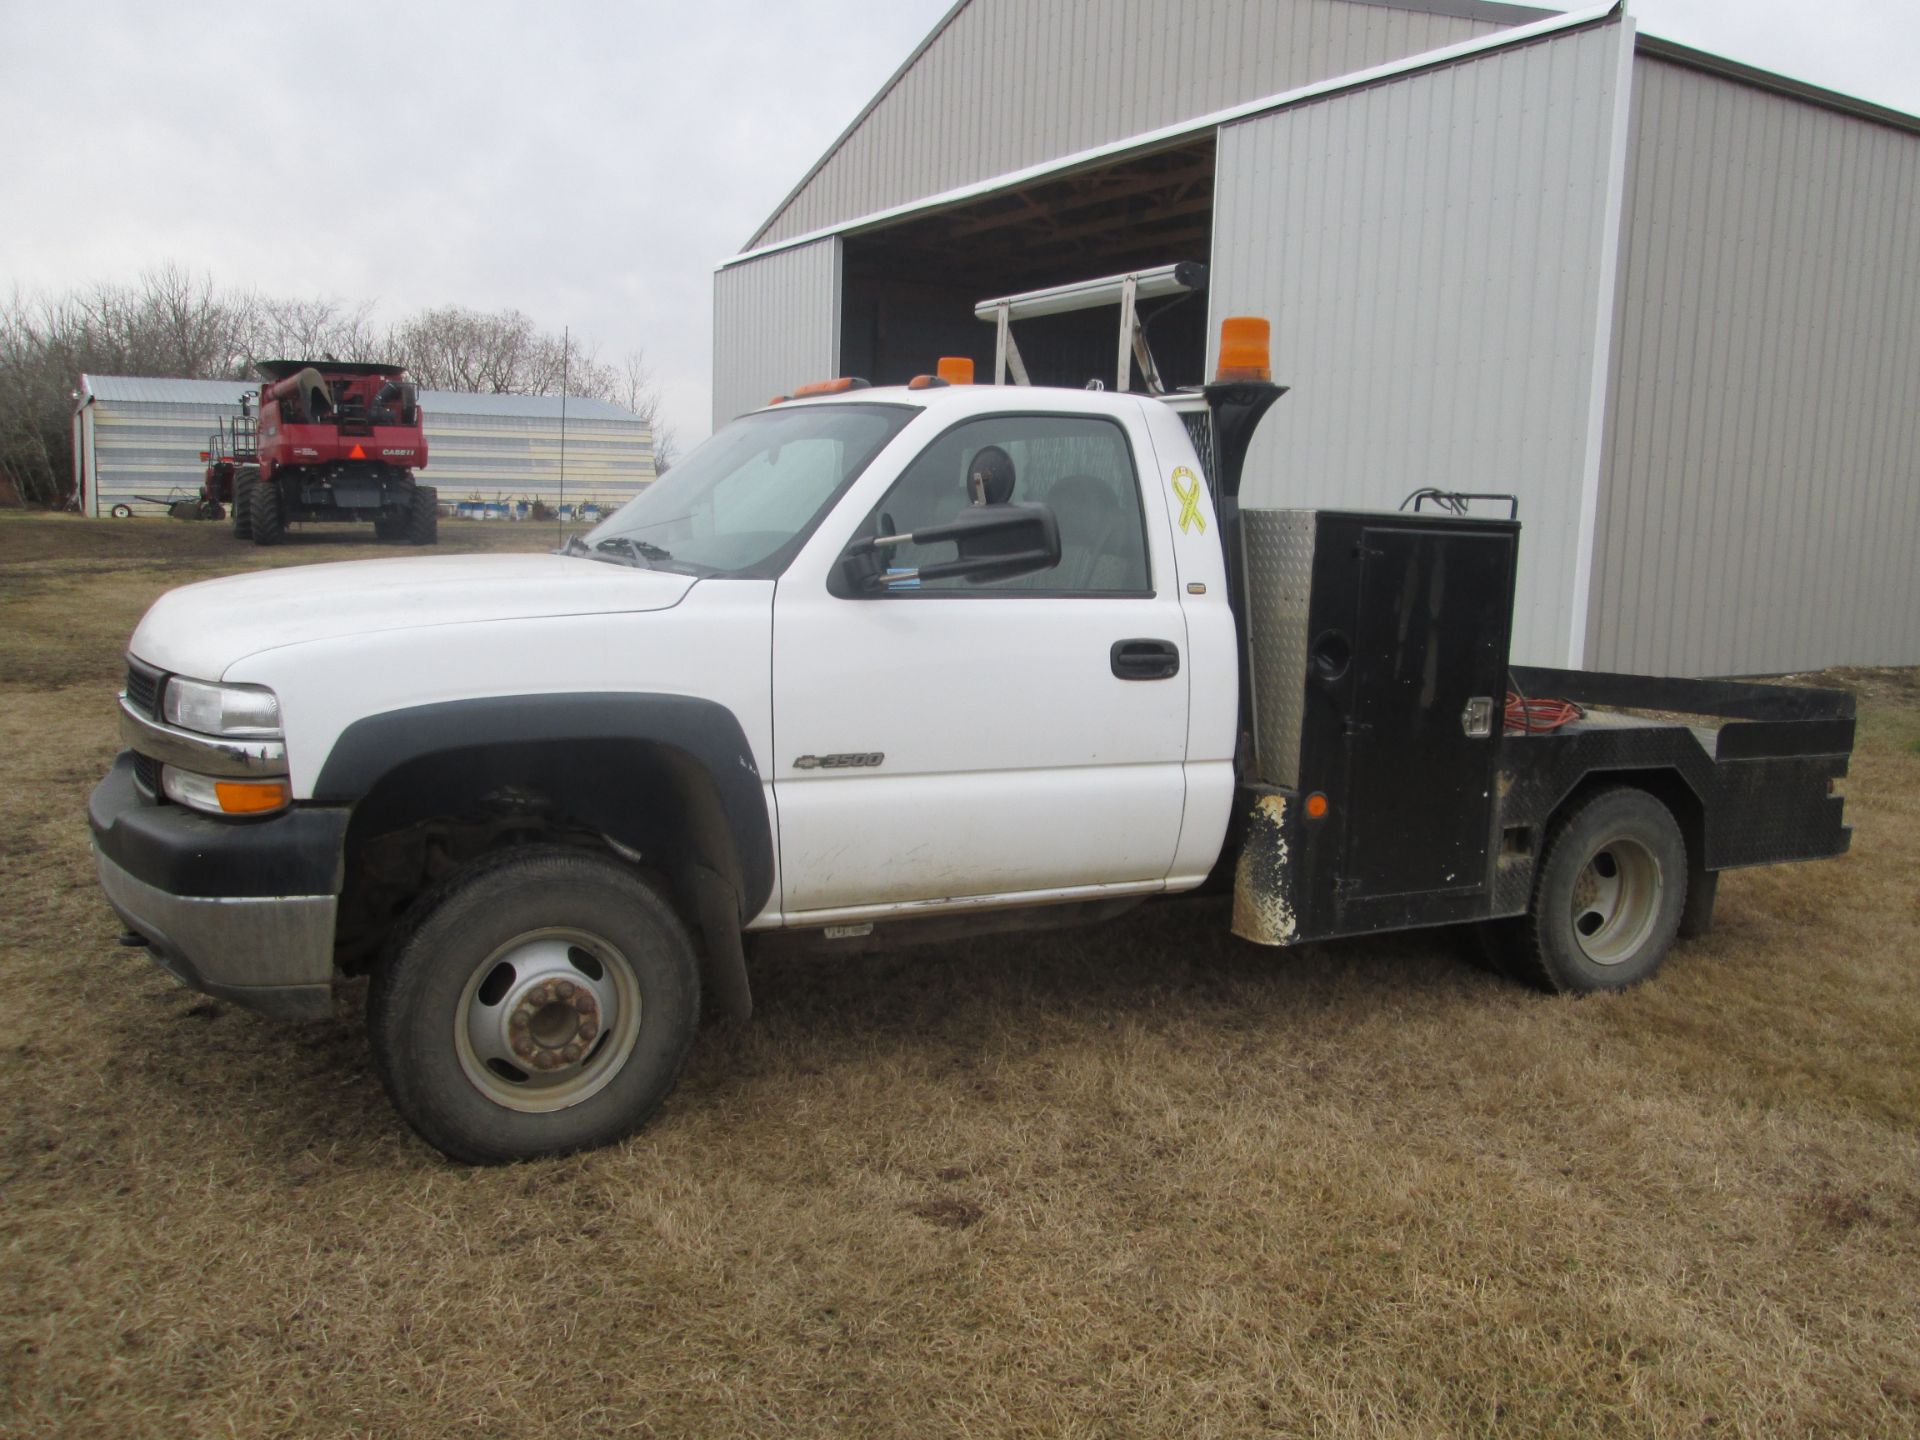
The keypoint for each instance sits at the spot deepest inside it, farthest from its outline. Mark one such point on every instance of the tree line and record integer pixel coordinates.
(178, 325)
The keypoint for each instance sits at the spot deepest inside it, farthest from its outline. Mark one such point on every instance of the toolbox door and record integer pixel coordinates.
(1430, 637)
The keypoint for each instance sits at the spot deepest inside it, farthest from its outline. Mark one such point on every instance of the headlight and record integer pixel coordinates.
(238, 710)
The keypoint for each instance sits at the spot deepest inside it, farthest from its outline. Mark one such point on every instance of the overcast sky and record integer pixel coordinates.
(586, 163)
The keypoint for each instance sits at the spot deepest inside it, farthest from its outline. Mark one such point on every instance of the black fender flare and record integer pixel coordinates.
(705, 732)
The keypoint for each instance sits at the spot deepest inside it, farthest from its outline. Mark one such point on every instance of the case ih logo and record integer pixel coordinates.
(396, 452)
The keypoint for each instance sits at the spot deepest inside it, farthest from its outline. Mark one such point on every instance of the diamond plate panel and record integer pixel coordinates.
(1199, 425)
(1277, 555)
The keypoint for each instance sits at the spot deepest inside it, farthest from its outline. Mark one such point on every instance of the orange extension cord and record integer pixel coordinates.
(1537, 717)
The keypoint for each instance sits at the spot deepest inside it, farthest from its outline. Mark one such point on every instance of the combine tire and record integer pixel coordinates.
(391, 529)
(243, 482)
(263, 505)
(1608, 898)
(542, 1000)
(423, 516)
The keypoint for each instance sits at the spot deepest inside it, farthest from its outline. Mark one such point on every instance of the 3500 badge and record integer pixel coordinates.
(860, 760)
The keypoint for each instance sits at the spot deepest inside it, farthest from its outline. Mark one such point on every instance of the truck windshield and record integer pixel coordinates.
(743, 502)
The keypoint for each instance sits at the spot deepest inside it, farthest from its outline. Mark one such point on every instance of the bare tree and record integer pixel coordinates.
(638, 393)
(312, 329)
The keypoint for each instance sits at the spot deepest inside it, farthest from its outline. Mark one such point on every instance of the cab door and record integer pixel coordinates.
(948, 742)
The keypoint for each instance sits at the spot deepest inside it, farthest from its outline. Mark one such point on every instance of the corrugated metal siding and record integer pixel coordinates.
(1011, 83)
(776, 324)
(1430, 250)
(1760, 500)
(163, 390)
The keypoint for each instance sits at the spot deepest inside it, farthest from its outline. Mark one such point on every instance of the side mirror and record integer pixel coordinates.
(995, 542)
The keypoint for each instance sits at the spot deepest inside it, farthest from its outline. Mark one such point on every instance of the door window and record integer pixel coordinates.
(1079, 466)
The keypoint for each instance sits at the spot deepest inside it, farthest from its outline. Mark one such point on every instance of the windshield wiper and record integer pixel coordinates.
(638, 552)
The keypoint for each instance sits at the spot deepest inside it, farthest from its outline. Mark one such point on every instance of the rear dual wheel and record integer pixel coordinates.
(543, 1002)
(1607, 898)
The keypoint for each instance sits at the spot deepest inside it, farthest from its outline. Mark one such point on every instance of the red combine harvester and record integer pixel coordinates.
(331, 442)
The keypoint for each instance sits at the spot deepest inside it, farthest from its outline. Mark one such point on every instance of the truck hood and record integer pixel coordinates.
(201, 629)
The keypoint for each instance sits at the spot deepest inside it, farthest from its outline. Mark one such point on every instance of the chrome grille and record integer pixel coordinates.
(143, 688)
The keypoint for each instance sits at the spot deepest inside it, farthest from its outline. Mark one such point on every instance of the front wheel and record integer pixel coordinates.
(1608, 898)
(543, 1002)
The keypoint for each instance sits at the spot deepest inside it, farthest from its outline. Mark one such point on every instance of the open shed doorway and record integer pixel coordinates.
(908, 290)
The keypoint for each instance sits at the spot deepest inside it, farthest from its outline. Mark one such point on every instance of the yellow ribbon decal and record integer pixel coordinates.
(1189, 494)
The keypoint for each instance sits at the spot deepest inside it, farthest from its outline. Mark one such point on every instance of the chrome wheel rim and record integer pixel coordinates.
(1616, 900)
(547, 1020)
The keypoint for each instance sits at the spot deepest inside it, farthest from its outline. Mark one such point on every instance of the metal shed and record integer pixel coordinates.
(138, 435)
(1671, 302)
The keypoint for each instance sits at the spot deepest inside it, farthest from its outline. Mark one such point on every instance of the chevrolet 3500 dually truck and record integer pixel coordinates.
(896, 663)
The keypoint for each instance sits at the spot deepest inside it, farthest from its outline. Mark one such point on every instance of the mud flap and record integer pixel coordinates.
(1264, 905)
(726, 956)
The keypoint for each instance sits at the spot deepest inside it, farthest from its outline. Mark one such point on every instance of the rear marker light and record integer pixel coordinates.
(1316, 806)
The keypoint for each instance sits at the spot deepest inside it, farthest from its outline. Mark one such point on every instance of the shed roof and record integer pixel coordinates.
(1486, 11)
(152, 389)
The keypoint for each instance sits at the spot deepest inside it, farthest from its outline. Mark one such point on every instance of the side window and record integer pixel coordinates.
(1078, 466)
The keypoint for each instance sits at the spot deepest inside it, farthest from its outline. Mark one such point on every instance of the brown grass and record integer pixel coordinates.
(1141, 1180)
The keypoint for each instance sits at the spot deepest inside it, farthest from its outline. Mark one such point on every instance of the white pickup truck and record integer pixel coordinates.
(895, 662)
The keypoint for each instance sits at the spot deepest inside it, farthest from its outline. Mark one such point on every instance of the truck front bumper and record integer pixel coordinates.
(241, 910)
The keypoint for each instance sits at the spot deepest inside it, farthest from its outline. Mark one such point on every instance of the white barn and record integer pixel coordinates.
(1669, 301)
(135, 435)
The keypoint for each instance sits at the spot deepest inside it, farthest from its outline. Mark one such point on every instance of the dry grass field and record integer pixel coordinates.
(1142, 1180)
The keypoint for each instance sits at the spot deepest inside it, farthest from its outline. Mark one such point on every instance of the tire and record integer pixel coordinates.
(244, 480)
(423, 516)
(269, 524)
(527, 956)
(121, 512)
(1608, 898)
(391, 529)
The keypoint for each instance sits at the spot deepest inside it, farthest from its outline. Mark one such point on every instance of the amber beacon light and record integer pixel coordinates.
(1243, 350)
(955, 369)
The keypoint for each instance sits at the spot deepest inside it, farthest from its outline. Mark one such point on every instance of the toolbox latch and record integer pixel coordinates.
(1477, 719)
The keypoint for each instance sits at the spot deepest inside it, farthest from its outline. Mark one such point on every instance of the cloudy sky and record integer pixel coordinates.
(588, 163)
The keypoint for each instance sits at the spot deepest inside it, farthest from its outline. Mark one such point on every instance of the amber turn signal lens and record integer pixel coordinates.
(251, 797)
(1244, 341)
(1316, 805)
(955, 369)
(825, 387)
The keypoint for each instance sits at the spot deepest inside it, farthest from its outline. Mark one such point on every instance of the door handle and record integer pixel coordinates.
(1145, 659)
